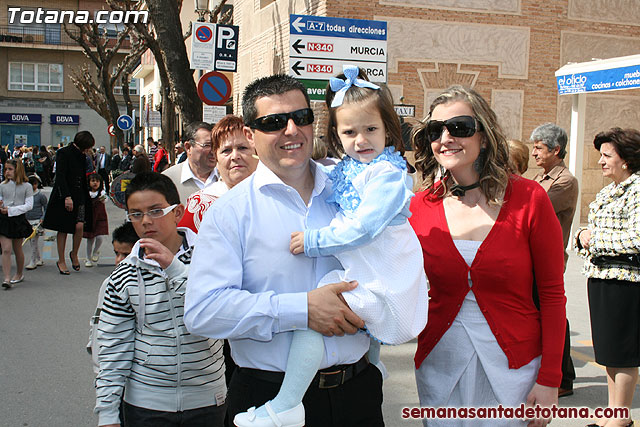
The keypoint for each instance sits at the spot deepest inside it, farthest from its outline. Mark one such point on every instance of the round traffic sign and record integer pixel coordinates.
(204, 34)
(125, 122)
(214, 88)
(111, 130)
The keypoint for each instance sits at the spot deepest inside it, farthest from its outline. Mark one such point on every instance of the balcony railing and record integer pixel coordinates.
(53, 35)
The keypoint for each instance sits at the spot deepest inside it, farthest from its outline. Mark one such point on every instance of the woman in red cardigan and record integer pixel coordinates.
(484, 235)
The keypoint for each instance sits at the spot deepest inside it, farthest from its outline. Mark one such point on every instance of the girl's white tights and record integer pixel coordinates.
(91, 250)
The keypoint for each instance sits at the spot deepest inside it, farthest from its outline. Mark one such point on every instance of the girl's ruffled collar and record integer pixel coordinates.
(344, 193)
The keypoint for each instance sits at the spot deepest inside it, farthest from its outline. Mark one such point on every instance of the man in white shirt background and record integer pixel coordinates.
(199, 171)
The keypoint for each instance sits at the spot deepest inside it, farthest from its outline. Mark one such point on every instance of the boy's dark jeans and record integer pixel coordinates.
(209, 416)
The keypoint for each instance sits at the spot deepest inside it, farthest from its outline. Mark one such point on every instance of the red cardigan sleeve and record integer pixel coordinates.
(547, 254)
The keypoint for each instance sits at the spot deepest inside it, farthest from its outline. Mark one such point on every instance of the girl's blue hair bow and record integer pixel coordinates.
(340, 86)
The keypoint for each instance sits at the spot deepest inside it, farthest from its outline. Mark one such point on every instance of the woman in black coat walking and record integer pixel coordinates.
(69, 208)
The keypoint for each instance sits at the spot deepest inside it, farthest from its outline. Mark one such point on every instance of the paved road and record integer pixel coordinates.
(46, 378)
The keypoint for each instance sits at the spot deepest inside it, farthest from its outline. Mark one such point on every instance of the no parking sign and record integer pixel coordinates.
(202, 45)
(214, 88)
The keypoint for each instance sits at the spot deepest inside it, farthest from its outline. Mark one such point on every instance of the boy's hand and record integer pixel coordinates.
(157, 251)
(297, 243)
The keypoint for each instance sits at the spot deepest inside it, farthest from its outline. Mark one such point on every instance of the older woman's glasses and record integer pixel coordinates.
(459, 127)
(153, 213)
(274, 122)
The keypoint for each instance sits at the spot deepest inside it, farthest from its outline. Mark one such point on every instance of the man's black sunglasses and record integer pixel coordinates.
(279, 121)
(459, 127)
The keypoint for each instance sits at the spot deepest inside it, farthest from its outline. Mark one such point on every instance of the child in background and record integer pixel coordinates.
(123, 238)
(100, 223)
(370, 236)
(16, 199)
(34, 216)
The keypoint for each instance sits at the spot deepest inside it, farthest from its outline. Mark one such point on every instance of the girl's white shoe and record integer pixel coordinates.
(293, 417)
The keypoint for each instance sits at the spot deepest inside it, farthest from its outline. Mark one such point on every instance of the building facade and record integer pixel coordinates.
(507, 50)
(39, 104)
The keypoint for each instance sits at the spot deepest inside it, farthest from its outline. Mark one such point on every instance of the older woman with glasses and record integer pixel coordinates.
(236, 159)
(484, 234)
(611, 247)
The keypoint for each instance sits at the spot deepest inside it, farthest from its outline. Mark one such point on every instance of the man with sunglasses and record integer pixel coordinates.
(245, 285)
(199, 171)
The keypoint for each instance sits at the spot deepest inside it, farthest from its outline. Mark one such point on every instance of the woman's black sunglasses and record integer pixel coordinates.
(459, 127)
(279, 121)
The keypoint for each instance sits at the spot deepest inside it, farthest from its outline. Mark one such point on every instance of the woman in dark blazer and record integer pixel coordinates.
(69, 208)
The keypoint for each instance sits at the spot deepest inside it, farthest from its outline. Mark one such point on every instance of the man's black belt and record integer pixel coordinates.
(331, 377)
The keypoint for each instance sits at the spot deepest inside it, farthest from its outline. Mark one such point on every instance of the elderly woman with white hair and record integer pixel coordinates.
(141, 161)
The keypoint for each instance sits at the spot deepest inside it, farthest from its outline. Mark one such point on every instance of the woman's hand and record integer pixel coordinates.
(584, 237)
(68, 203)
(542, 396)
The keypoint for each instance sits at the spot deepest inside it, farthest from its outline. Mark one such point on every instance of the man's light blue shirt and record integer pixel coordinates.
(246, 286)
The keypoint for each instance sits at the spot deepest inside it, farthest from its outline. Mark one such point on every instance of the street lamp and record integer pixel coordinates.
(202, 8)
(207, 7)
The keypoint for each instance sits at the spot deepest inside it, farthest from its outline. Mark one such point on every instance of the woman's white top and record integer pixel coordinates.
(468, 368)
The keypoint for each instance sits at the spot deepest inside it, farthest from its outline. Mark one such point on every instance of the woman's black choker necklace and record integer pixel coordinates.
(460, 190)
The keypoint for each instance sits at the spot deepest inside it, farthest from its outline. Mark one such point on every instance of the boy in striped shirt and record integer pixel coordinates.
(169, 376)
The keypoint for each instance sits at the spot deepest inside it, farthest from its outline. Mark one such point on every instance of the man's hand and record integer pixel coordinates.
(329, 314)
(297, 243)
(542, 396)
(585, 237)
(157, 251)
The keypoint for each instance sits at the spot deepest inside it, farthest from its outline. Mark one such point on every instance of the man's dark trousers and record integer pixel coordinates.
(356, 403)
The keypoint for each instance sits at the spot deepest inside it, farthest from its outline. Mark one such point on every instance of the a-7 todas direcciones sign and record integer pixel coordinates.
(320, 46)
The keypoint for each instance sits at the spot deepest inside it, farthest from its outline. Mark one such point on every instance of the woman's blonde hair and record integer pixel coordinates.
(493, 160)
(518, 156)
(19, 176)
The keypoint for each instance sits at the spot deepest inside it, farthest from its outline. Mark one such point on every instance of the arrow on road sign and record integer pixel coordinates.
(296, 68)
(298, 25)
(298, 45)
(125, 122)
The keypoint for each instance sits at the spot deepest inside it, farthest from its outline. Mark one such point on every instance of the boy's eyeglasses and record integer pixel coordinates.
(279, 121)
(459, 127)
(153, 213)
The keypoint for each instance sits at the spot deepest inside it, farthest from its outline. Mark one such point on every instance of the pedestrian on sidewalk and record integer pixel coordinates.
(16, 199)
(100, 227)
(549, 149)
(34, 216)
(610, 245)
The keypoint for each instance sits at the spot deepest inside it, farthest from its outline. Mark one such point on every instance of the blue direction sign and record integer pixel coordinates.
(319, 46)
(337, 27)
(214, 88)
(125, 122)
